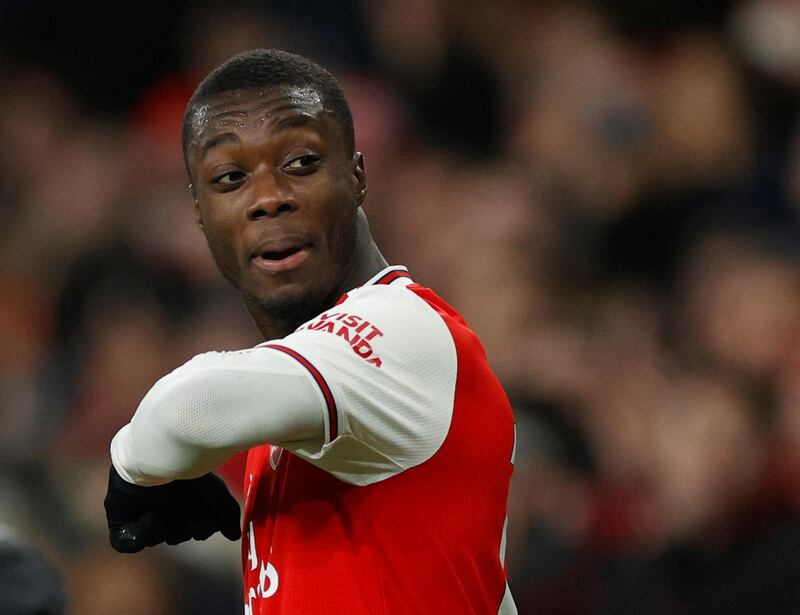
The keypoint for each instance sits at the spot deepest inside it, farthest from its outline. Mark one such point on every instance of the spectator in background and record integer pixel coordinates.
(635, 174)
(29, 585)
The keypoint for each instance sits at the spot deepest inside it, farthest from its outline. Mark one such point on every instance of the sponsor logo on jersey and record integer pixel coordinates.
(268, 582)
(355, 330)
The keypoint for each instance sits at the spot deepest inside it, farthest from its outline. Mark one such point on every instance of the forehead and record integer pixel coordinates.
(264, 107)
(255, 103)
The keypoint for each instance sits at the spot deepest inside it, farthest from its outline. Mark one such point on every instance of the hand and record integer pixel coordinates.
(140, 517)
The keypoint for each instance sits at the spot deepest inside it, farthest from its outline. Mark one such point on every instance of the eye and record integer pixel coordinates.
(229, 178)
(306, 163)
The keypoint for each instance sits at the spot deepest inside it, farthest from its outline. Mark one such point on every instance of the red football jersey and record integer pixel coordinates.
(402, 507)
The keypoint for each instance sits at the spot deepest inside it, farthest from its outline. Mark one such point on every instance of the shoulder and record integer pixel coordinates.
(380, 322)
(387, 362)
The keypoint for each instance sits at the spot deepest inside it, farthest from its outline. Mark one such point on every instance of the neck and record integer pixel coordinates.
(368, 262)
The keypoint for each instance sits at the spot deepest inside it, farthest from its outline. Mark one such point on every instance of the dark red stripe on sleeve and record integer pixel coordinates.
(326, 390)
(392, 276)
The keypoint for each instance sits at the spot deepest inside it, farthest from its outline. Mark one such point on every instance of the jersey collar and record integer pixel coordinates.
(393, 274)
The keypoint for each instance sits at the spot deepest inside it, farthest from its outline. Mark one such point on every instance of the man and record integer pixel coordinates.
(29, 585)
(380, 442)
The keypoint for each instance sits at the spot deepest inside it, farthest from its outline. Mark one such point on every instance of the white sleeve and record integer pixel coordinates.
(385, 363)
(215, 405)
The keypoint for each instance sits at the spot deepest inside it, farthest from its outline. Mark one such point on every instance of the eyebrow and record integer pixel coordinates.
(294, 121)
(216, 141)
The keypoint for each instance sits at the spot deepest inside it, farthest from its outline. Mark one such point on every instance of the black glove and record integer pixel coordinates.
(140, 517)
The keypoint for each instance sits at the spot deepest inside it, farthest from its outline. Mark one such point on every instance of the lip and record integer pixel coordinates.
(300, 249)
(283, 264)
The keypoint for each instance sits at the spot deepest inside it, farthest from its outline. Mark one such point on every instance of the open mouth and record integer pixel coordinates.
(275, 261)
(279, 256)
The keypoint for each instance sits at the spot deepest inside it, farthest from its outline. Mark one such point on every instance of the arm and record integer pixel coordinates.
(160, 488)
(217, 404)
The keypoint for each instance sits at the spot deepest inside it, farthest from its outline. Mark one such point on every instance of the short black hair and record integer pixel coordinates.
(260, 68)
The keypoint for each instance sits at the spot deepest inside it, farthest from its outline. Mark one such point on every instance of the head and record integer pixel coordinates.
(269, 148)
(29, 585)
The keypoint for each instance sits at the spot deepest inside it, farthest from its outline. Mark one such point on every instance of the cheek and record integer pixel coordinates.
(338, 223)
(223, 253)
(218, 223)
(342, 238)
(219, 237)
(338, 212)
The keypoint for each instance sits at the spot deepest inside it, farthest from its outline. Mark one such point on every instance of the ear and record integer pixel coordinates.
(360, 174)
(198, 218)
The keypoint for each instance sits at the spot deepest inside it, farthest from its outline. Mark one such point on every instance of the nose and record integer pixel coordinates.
(270, 197)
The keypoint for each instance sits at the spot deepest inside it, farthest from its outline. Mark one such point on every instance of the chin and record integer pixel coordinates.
(294, 302)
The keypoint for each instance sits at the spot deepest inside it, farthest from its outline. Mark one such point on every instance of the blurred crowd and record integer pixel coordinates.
(609, 193)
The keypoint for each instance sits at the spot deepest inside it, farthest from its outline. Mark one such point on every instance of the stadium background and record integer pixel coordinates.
(609, 191)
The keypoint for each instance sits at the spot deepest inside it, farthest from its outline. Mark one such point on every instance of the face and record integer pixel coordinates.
(276, 194)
